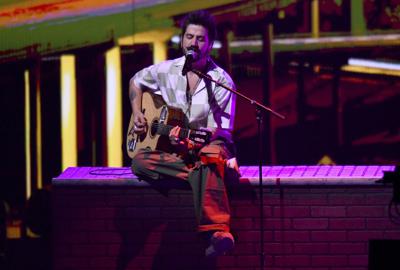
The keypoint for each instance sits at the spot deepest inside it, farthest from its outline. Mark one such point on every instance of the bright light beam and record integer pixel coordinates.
(114, 107)
(68, 112)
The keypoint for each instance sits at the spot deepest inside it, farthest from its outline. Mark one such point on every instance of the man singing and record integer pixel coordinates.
(206, 107)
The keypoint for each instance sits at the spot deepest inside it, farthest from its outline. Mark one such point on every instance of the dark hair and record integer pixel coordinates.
(203, 18)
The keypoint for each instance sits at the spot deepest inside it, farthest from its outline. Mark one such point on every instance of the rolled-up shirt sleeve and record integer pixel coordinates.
(146, 79)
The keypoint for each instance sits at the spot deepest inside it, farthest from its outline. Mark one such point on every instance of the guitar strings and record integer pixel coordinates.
(185, 132)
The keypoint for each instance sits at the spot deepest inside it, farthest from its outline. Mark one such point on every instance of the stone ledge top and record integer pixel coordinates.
(324, 175)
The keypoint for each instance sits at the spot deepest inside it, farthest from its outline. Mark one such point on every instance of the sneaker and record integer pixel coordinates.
(220, 243)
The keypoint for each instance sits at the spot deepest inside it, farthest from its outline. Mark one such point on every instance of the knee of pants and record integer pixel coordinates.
(143, 167)
(214, 151)
(139, 164)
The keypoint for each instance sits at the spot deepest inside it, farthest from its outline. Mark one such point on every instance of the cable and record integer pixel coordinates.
(106, 172)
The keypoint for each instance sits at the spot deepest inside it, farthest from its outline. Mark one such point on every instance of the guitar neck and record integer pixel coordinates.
(163, 129)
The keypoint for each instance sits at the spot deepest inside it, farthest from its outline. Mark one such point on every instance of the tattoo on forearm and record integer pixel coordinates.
(132, 95)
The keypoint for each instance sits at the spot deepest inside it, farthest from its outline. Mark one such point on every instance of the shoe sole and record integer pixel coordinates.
(219, 247)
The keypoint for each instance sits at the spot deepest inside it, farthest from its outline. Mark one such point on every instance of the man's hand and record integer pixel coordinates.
(140, 123)
(183, 144)
(174, 135)
(232, 163)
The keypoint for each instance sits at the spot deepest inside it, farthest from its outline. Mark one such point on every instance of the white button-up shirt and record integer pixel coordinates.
(166, 79)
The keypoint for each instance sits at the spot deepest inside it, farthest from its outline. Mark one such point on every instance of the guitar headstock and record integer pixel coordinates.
(200, 136)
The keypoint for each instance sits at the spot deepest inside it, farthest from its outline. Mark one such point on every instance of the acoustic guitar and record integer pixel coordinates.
(160, 120)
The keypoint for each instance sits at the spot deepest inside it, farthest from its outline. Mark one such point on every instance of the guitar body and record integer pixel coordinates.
(156, 112)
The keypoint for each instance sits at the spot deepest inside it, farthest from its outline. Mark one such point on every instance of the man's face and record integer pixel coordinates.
(196, 38)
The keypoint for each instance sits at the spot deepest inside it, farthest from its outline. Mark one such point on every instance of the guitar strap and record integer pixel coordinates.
(210, 95)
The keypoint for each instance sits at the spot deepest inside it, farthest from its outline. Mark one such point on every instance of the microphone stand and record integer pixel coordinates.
(259, 108)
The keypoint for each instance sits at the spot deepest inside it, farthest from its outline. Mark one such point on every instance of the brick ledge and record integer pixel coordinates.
(346, 175)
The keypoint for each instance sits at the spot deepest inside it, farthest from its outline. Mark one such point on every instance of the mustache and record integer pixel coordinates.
(193, 48)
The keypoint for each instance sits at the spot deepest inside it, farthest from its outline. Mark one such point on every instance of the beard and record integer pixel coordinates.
(196, 54)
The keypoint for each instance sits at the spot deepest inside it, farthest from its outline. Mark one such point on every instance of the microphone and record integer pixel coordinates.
(190, 57)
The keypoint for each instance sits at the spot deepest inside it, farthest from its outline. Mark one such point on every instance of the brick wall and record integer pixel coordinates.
(139, 227)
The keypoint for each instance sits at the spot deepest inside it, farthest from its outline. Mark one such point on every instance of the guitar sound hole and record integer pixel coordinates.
(153, 128)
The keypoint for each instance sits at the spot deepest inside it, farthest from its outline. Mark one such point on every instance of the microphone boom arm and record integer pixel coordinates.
(252, 101)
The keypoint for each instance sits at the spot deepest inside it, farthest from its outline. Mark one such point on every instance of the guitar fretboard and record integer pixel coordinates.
(164, 129)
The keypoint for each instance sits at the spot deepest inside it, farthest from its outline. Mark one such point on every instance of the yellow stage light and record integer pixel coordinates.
(28, 161)
(114, 107)
(68, 112)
